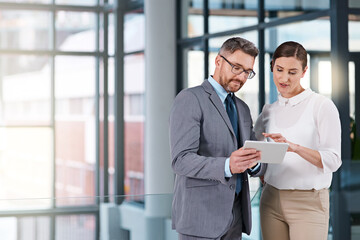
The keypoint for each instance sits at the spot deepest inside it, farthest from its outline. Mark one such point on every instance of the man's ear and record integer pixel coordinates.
(217, 60)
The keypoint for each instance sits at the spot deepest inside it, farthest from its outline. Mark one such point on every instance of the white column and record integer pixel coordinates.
(160, 65)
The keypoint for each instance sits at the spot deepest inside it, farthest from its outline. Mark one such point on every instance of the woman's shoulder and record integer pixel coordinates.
(323, 103)
(320, 100)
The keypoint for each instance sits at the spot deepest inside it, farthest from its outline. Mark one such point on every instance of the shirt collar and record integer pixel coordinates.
(221, 92)
(296, 99)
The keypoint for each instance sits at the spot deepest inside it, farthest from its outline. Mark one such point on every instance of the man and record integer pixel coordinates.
(207, 130)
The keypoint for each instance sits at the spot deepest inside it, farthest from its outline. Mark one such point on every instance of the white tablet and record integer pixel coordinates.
(271, 152)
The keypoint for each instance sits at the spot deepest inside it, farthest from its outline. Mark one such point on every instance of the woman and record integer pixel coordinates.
(295, 198)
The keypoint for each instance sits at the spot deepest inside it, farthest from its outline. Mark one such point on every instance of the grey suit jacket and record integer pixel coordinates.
(201, 138)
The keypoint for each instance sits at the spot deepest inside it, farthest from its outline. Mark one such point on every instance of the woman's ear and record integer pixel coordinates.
(305, 69)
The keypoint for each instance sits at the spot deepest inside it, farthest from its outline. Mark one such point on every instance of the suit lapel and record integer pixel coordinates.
(214, 98)
(240, 110)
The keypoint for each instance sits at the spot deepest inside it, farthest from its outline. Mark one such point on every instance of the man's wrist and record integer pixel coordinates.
(252, 168)
(227, 168)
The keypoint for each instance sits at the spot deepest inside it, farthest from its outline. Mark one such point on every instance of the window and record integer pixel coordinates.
(134, 102)
(51, 57)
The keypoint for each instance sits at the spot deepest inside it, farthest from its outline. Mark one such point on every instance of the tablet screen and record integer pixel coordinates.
(271, 152)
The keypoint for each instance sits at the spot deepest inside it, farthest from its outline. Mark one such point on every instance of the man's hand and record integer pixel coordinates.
(242, 159)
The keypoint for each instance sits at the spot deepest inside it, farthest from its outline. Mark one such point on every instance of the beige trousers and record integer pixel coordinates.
(294, 214)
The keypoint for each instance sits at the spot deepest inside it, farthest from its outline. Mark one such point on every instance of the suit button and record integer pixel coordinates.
(232, 186)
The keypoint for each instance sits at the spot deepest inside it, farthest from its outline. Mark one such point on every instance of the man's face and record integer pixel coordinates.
(223, 72)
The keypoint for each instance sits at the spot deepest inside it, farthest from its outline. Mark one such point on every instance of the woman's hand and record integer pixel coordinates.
(277, 137)
(310, 155)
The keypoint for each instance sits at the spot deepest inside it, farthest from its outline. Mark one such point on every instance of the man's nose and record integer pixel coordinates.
(242, 76)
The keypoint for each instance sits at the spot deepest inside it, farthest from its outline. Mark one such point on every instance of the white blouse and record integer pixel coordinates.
(310, 120)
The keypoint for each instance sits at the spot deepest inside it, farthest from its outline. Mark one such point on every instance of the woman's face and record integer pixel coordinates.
(287, 72)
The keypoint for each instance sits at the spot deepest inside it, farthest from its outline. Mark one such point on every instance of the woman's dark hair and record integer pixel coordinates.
(290, 49)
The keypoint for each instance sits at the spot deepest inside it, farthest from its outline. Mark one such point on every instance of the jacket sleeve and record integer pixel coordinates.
(185, 120)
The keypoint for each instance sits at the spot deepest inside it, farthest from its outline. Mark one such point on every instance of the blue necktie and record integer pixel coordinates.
(232, 113)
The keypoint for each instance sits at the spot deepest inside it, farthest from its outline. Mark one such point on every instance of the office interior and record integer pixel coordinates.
(86, 87)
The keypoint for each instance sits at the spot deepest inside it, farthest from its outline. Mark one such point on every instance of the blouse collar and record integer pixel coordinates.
(296, 99)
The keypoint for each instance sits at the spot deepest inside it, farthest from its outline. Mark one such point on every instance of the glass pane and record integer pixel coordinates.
(28, 30)
(192, 21)
(101, 32)
(77, 2)
(111, 36)
(34, 228)
(69, 227)
(275, 9)
(134, 116)
(354, 114)
(271, 92)
(111, 43)
(194, 66)
(134, 32)
(25, 228)
(8, 227)
(25, 91)
(75, 31)
(111, 118)
(75, 227)
(228, 15)
(110, 2)
(317, 35)
(354, 4)
(354, 33)
(110, 132)
(26, 168)
(325, 82)
(102, 91)
(75, 129)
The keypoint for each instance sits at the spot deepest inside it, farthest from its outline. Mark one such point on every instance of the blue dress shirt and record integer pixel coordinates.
(222, 93)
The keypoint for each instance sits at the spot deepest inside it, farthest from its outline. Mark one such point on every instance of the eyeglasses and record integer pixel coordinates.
(239, 70)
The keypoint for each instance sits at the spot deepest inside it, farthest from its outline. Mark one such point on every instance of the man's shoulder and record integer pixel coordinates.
(240, 100)
(242, 103)
(189, 97)
(188, 100)
(195, 91)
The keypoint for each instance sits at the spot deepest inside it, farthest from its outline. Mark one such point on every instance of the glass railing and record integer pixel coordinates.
(128, 217)
(135, 217)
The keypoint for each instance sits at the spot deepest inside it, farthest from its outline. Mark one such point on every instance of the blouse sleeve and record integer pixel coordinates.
(259, 127)
(329, 130)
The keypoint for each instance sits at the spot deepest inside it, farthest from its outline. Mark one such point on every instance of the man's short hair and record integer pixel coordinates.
(237, 43)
